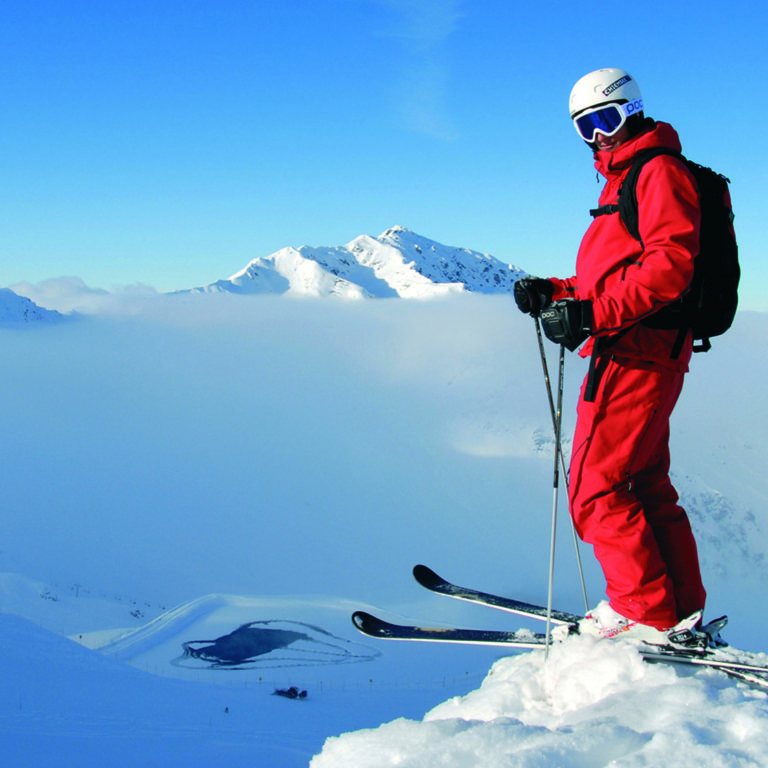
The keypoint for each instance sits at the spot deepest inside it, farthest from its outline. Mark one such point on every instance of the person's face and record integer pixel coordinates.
(610, 143)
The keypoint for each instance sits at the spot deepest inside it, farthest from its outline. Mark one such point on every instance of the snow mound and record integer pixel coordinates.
(591, 704)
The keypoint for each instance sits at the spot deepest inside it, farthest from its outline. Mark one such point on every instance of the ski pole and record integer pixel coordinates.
(547, 381)
(559, 451)
(555, 490)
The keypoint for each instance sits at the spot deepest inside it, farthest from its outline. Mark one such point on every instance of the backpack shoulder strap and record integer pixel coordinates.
(628, 208)
(603, 210)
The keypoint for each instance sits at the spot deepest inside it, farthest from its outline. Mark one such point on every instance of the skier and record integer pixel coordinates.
(620, 495)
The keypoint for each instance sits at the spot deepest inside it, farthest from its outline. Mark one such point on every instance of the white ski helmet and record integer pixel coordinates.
(603, 86)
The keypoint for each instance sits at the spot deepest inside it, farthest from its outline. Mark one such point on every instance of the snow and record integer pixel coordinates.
(397, 263)
(201, 463)
(588, 706)
(18, 310)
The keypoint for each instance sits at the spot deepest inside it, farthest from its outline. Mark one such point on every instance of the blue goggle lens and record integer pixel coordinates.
(607, 120)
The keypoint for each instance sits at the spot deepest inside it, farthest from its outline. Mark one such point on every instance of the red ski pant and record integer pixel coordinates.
(622, 500)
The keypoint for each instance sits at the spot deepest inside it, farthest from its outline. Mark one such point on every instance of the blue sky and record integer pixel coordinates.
(168, 143)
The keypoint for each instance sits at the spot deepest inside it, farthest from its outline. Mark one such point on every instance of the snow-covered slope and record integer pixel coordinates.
(19, 310)
(591, 705)
(397, 263)
(65, 706)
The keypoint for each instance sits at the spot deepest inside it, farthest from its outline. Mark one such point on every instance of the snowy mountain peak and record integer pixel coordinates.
(18, 310)
(397, 263)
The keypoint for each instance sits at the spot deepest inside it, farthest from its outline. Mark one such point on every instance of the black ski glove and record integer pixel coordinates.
(568, 322)
(532, 294)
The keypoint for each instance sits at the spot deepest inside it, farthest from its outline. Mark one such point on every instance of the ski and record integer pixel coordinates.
(740, 665)
(714, 658)
(375, 627)
(434, 583)
(753, 673)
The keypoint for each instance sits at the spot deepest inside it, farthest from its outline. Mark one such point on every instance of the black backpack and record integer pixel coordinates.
(709, 306)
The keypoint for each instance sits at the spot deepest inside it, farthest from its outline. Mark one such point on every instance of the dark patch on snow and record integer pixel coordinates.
(273, 643)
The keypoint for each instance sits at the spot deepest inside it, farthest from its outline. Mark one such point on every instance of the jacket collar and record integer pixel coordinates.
(617, 162)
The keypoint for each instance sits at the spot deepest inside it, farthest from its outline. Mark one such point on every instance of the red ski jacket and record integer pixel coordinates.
(627, 281)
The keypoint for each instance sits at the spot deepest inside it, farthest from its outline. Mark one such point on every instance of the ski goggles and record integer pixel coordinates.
(607, 119)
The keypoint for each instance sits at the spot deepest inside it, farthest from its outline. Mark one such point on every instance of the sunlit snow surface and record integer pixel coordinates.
(396, 263)
(590, 705)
